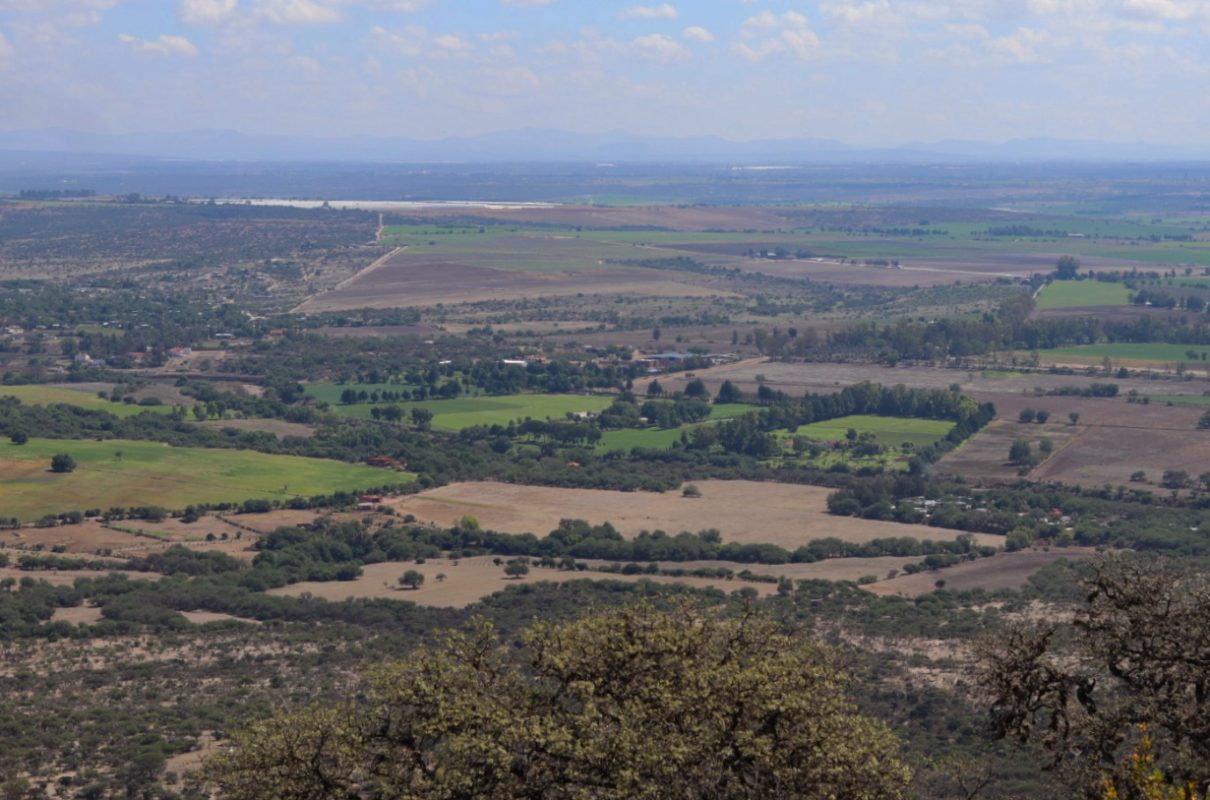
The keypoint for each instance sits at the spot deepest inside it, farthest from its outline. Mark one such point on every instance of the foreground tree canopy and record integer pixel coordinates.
(1127, 681)
(637, 703)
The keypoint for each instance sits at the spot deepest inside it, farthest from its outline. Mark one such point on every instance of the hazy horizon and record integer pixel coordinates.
(873, 73)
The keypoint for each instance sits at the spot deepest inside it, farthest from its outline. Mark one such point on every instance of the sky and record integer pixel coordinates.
(867, 72)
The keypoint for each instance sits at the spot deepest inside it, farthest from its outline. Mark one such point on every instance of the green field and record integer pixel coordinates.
(1079, 294)
(1181, 399)
(463, 412)
(329, 392)
(153, 474)
(1149, 352)
(44, 395)
(657, 438)
(888, 431)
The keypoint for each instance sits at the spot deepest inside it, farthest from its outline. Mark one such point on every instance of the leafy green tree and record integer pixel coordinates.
(1020, 452)
(422, 418)
(18, 437)
(728, 393)
(412, 579)
(62, 463)
(516, 568)
(1067, 268)
(631, 703)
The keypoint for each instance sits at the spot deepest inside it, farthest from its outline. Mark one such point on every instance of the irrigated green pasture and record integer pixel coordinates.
(1079, 294)
(329, 391)
(656, 438)
(888, 431)
(463, 412)
(135, 473)
(43, 395)
(1141, 352)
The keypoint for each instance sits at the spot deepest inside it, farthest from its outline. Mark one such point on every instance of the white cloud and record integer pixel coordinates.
(296, 12)
(661, 47)
(662, 11)
(414, 41)
(6, 49)
(859, 13)
(451, 42)
(206, 12)
(766, 34)
(166, 45)
(1165, 9)
(696, 33)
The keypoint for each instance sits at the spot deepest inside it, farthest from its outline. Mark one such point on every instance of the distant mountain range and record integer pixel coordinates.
(539, 145)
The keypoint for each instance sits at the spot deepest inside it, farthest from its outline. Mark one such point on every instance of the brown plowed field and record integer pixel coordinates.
(742, 511)
(1001, 571)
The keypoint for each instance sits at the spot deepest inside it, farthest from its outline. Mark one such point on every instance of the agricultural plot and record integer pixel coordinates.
(1001, 571)
(659, 438)
(50, 394)
(464, 266)
(330, 391)
(748, 512)
(135, 473)
(1081, 294)
(887, 431)
(459, 583)
(463, 412)
(1136, 354)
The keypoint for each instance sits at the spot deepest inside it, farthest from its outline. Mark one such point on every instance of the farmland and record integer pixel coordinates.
(887, 431)
(1079, 294)
(468, 580)
(463, 412)
(742, 511)
(42, 395)
(1130, 353)
(131, 473)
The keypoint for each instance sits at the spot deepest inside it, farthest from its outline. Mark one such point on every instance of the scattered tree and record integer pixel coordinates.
(412, 579)
(62, 463)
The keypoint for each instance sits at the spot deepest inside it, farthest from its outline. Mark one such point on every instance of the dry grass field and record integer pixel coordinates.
(471, 579)
(743, 511)
(1001, 571)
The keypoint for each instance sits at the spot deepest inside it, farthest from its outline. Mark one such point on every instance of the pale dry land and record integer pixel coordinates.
(203, 617)
(472, 579)
(1001, 571)
(81, 615)
(749, 512)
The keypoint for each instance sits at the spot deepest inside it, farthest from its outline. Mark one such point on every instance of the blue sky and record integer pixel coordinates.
(859, 71)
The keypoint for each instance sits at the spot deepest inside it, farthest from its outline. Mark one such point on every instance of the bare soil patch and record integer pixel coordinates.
(411, 279)
(1001, 571)
(743, 511)
(79, 615)
(1112, 454)
(202, 617)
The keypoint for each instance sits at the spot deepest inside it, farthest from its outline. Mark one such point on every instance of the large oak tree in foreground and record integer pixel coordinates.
(637, 703)
(1120, 695)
